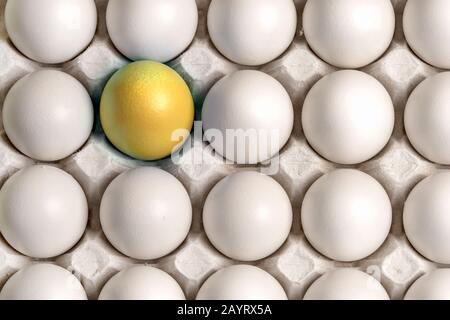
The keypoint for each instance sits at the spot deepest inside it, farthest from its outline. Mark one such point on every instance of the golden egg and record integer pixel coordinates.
(147, 110)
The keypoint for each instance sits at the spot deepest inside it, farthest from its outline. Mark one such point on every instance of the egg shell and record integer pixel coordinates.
(349, 33)
(156, 30)
(248, 117)
(427, 30)
(43, 282)
(247, 216)
(43, 211)
(241, 282)
(252, 32)
(50, 31)
(146, 213)
(346, 215)
(426, 114)
(147, 110)
(346, 284)
(141, 283)
(426, 219)
(434, 285)
(48, 115)
(348, 117)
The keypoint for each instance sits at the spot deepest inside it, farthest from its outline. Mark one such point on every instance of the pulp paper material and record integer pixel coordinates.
(296, 265)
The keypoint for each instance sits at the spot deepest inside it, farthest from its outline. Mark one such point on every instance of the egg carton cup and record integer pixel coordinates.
(296, 264)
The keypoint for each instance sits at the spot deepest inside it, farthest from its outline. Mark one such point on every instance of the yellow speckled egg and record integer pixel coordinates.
(144, 108)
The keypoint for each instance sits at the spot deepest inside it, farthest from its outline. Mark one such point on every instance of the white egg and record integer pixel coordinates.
(50, 31)
(349, 33)
(146, 213)
(248, 117)
(348, 117)
(142, 283)
(252, 32)
(156, 30)
(247, 216)
(346, 284)
(346, 215)
(43, 282)
(431, 286)
(426, 28)
(426, 114)
(426, 219)
(43, 211)
(241, 282)
(48, 115)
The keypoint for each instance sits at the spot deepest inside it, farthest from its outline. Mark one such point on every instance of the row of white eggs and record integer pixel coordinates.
(238, 282)
(347, 117)
(344, 33)
(146, 214)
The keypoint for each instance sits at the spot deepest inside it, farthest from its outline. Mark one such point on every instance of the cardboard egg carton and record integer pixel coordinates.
(296, 264)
